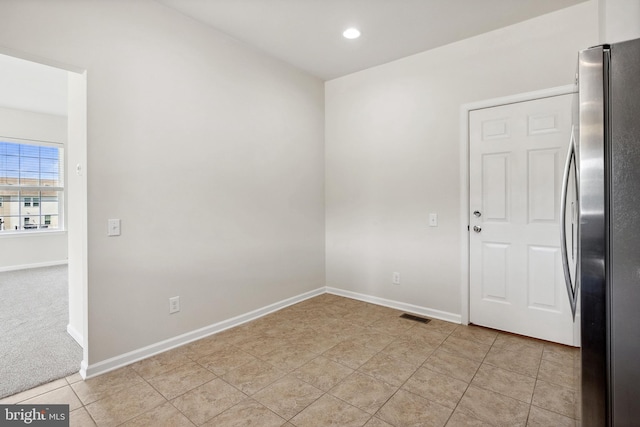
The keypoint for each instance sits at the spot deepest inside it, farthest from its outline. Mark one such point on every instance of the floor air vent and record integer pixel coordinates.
(416, 318)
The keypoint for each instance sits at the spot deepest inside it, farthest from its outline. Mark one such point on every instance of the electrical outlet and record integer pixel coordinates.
(396, 278)
(174, 305)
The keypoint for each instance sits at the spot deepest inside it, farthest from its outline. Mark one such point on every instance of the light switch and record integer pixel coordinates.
(433, 220)
(113, 227)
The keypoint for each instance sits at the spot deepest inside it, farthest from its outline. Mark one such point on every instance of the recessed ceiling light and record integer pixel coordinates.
(351, 33)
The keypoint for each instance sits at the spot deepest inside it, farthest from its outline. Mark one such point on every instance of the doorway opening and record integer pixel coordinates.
(42, 215)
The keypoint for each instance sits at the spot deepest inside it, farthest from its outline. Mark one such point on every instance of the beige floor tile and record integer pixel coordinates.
(522, 362)
(350, 354)
(518, 343)
(80, 418)
(208, 400)
(392, 325)
(555, 373)
(103, 385)
(383, 311)
(539, 417)
(440, 326)
(74, 378)
(493, 408)
(232, 336)
(322, 373)
(560, 354)
(463, 347)
(247, 413)
(388, 369)
(59, 396)
(347, 329)
(430, 337)
(363, 317)
(165, 415)
(364, 392)
(289, 358)
(554, 398)
(160, 364)
(505, 382)
(475, 333)
(313, 343)
(253, 376)
(261, 345)
(182, 379)
(377, 422)
(373, 339)
(408, 409)
(322, 342)
(330, 411)
(409, 351)
(127, 404)
(452, 365)
(203, 347)
(223, 361)
(340, 329)
(33, 392)
(436, 387)
(458, 419)
(288, 396)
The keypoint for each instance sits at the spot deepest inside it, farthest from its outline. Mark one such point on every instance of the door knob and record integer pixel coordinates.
(477, 229)
(477, 214)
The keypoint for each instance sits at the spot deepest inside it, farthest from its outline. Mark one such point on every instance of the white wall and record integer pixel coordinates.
(619, 20)
(190, 127)
(25, 250)
(392, 153)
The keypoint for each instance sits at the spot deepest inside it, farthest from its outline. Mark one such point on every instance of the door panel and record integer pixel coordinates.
(494, 186)
(516, 156)
(543, 181)
(494, 271)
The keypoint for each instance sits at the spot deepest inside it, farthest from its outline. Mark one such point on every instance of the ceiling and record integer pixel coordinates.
(308, 33)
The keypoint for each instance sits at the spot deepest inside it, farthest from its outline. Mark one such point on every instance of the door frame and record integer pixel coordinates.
(465, 111)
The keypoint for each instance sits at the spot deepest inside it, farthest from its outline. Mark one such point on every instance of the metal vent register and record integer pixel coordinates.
(415, 318)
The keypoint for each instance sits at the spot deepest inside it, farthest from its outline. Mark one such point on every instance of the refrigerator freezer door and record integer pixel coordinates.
(593, 70)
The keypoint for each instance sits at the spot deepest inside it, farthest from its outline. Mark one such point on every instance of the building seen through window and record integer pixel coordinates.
(31, 186)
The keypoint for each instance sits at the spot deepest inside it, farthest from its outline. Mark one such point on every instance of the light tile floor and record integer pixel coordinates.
(333, 361)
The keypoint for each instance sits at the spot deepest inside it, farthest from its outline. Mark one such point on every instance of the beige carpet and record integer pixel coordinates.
(35, 347)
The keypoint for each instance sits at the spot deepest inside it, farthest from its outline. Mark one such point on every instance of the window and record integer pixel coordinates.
(31, 186)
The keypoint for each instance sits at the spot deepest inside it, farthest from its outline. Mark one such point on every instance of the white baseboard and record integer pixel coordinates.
(105, 366)
(83, 369)
(75, 335)
(36, 265)
(415, 309)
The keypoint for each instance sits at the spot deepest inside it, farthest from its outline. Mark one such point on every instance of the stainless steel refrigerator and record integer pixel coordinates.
(601, 232)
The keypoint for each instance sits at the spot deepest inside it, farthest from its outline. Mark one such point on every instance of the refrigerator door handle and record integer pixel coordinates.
(572, 290)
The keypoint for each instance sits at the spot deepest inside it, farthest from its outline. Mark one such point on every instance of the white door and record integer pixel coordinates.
(516, 160)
